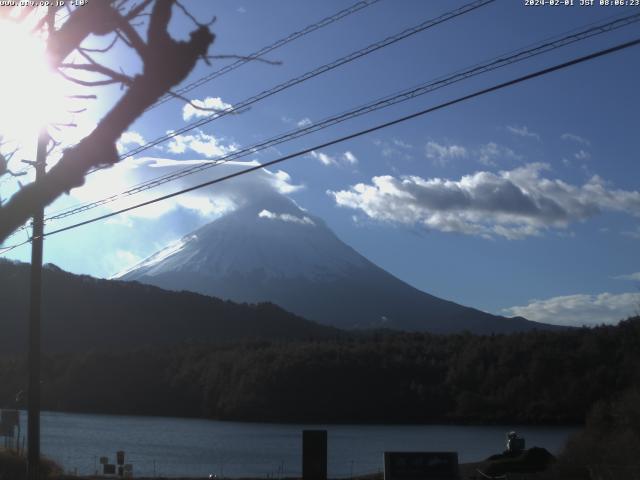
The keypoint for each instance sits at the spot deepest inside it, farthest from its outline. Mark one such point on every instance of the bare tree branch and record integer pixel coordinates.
(87, 83)
(102, 50)
(166, 61)
(98, 18)
(58, 126)
(195, 105)
(192, 18)
(114, 76)
(47, 19)
(136, 11)
(131, 37)
(82, 97)
(54, 144)
(95, 67)
(4, 164)
(123, 38)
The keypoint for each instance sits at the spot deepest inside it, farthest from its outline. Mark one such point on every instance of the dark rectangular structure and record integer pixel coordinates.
(314, 455)
(421, 466)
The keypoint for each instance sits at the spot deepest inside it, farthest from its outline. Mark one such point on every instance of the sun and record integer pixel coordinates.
(31, 95)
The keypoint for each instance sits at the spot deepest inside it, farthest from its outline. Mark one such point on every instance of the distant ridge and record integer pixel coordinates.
(83, 313)
(273, 250)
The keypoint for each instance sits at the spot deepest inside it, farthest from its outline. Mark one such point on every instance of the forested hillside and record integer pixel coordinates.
(81, 313)
(535, 377)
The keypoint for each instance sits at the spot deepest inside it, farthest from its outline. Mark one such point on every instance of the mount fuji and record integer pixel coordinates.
(273, 250)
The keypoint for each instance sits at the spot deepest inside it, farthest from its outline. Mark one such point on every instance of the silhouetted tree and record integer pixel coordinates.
(166, 62)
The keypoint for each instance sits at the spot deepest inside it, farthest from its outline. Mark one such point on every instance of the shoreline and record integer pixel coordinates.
(443, 423)
(467, 472)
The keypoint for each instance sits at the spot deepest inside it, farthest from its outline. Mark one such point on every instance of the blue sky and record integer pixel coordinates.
(525, 201)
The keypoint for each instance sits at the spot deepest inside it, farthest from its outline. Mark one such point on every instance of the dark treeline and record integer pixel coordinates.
(81, 312)
(535, 377)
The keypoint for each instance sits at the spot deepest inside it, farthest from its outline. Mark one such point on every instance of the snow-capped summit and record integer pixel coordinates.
(273, 238)
(273, 250)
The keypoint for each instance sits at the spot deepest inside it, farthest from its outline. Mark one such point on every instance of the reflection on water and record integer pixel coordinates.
(192, 447)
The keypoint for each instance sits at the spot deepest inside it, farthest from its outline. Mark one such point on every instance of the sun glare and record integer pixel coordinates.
(30, 94)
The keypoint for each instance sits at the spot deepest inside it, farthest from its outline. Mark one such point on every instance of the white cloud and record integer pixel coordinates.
(202, 143)
(579, 310)
(512, 204)
(208, 202)
(441, 154)
(129, 138)
(212, 103)
(328, 160)
(286, 217)
(305, 122)
(120, 220)
(631, 276)
(487, 154)
(523, 132)
(350, 157)
(323, 158)
(399, 143)
(241, 9)
(582, 155)
(394, 148)
(280, 181)
(119, 260)
(575, 138)
(490, 152)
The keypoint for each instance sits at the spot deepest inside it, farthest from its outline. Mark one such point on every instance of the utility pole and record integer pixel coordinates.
(35, 309)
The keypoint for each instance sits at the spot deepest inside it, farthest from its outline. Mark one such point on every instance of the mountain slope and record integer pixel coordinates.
(272, 250)
(82, 313)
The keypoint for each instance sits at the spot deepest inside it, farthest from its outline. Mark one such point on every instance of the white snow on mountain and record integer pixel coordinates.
(271, 249)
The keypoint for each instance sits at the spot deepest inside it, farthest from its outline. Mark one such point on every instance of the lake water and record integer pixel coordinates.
(173, 447)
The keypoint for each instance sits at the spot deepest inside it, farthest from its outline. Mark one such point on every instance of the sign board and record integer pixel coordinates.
(109, 469)
(104, 460)
(421, 466)
(314, 455)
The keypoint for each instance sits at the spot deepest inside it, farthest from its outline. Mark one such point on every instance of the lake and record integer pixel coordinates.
(194, 447)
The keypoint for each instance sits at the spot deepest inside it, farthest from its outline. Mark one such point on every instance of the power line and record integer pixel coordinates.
(304, 77)
(267, 49)
(356, 7)
(479, 93)
(238, 107)
(366, 131)
(7, 249)
(493, 64)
